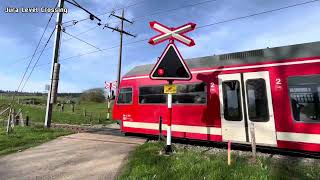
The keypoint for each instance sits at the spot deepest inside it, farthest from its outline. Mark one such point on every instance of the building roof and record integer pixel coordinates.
(246, 57)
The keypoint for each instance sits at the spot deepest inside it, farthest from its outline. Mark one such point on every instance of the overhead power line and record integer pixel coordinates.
(173, 9)
(55, 68)
(121, 31)
(81, 40)
(256, 14)
(74, 22)
(35, 64)
(83, 32)
(203, 26)
(34, 53)
(108, 12)
(138, 18)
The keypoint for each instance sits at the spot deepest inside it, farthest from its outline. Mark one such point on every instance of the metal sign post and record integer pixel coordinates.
(171, 65)
(168, 148)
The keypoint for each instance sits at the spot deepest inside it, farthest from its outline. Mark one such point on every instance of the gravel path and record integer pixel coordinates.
(77, 156)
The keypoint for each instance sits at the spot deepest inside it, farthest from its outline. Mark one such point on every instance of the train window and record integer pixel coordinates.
(190, 94)
(232, 101)
(152, 95)
(125, 96)
(304, 94)
(257, 100)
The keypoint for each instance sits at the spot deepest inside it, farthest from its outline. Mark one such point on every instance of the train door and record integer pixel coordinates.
(245, 100)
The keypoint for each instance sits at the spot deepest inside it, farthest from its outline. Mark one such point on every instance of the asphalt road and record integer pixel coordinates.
(77, 156)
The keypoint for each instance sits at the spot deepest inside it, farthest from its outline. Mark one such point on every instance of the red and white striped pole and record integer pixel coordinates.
(168, 148)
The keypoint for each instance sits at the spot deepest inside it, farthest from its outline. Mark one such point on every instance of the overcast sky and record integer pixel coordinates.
(20, 33)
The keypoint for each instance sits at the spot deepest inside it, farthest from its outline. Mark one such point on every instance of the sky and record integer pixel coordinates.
(84, 67)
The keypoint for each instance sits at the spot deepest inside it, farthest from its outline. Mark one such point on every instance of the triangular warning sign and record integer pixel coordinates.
(171, 66)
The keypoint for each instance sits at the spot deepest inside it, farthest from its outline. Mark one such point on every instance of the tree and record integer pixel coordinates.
(93, 95)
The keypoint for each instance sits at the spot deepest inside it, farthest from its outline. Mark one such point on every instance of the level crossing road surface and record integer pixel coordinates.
(95, 155)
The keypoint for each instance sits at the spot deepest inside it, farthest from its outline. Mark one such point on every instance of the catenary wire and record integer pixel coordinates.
(35, 64)
(207, 25)
(81, 40)
(108, 12)
(34, 53)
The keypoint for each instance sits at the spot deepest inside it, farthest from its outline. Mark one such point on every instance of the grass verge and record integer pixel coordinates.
(96, 113)
(26, 137)
(146, 163)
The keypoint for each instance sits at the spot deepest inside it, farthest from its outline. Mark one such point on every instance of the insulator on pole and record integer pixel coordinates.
(55, 81)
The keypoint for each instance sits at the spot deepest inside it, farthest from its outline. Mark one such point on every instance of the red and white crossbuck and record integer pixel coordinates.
(110, 85)
(172, 33)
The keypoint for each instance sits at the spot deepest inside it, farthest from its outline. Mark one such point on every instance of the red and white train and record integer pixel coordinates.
(277, 90)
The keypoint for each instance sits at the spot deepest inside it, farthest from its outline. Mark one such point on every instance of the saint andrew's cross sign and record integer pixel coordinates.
(172, 33)
(171, 65)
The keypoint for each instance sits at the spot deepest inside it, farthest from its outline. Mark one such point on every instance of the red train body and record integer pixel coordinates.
(275, 90)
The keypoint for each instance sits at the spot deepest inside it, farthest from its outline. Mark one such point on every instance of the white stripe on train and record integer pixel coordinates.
(241, 67)
(177, 128)
(281, 136)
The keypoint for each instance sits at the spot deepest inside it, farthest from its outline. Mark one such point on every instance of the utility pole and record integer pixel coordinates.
(55, 69)
(121, 31)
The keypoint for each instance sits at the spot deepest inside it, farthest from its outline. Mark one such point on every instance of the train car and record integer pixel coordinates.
(274, 91)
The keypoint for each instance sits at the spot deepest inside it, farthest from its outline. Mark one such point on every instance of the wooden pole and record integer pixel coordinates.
(8, 123)
(27, 120)
(21, 119)
(13, 118)
(229, 152)
(91, 118)
(253, 141)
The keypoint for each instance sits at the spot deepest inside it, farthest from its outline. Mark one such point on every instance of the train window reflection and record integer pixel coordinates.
(232, 100)
(257, 100)
(125, 96)
(152, 95)
(190, 94)
(304, 94)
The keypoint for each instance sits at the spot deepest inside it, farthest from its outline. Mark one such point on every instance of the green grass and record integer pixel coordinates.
(96, 113)
(25, 137)
(146, 163)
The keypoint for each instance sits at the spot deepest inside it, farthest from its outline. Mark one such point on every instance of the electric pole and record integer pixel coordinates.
(121, 31)
(55, 69)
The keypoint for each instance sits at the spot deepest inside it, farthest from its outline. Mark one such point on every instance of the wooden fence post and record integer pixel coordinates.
(229, 152)
(9, 121)
(27, 120)
(253, 141)
(21, 119)
(13, 119)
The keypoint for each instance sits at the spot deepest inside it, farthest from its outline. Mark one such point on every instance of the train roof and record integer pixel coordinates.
(246, 57)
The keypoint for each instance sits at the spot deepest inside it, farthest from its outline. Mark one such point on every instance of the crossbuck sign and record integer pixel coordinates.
(171, 65)
(172, 33)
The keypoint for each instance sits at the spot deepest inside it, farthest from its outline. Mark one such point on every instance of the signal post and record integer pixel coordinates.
(109, 86)
(171, 65)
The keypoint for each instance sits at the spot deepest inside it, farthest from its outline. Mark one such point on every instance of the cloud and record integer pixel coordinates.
(20, 34)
